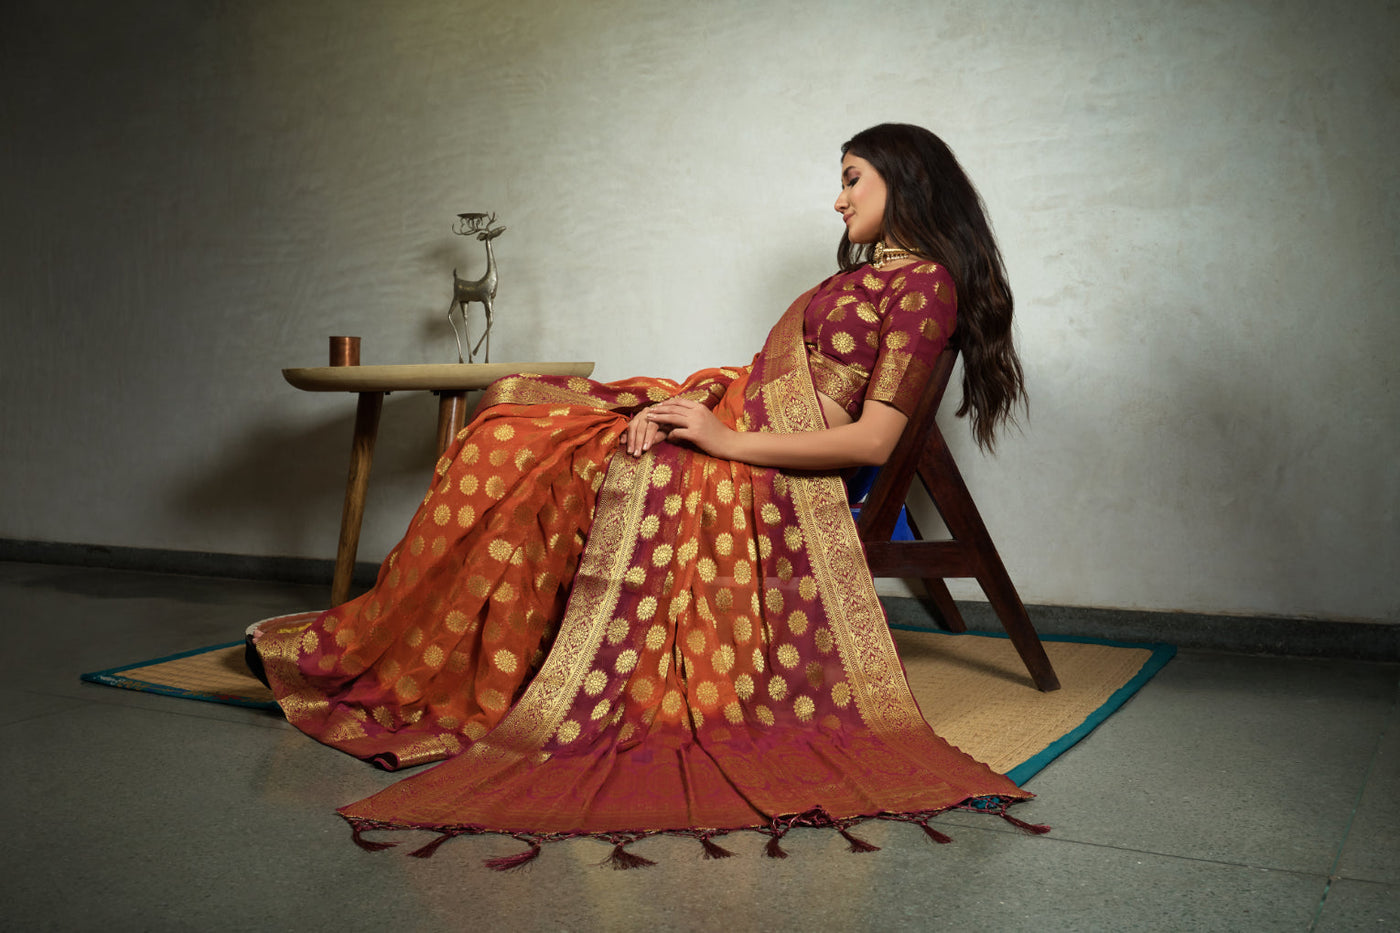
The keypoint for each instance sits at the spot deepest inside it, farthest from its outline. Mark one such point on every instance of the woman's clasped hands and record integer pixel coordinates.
(676, 419)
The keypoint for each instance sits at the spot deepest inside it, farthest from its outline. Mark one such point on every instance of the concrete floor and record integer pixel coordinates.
(1233, 793)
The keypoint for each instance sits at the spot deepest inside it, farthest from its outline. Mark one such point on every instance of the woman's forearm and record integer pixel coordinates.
(850, 445)
(867, 441)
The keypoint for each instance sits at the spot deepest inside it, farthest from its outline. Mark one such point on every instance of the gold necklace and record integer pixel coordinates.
(884, 254)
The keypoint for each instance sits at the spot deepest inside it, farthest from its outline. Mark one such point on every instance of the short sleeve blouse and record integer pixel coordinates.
(874, 334)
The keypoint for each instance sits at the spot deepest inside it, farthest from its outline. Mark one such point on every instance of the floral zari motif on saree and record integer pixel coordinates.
(614, 646)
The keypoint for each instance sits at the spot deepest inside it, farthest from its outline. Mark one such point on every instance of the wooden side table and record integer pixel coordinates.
(449, 381)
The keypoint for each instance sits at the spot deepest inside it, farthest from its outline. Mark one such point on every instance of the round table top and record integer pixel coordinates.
(438, 377)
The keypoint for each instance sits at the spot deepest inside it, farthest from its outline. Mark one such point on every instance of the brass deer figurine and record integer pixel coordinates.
(465, 291)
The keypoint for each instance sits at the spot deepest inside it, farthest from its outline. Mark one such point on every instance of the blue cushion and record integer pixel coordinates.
(858, 486)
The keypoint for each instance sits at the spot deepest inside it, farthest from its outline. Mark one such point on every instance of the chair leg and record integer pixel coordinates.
(940, 476)
(945, 611)
(1012, 613)
(940, 601)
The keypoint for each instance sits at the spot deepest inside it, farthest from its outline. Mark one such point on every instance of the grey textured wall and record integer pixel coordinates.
(1197, 201)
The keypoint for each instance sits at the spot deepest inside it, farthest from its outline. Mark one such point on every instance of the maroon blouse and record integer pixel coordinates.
(875, 335)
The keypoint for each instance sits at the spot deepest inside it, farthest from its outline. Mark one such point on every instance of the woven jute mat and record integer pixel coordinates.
(975, 692)
(973, 689)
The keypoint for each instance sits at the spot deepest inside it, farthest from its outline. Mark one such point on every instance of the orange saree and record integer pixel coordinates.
(616, 647)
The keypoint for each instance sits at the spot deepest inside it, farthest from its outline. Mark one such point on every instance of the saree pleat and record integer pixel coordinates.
(466, 604)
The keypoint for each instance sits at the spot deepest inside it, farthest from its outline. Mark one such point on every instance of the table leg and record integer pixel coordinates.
(452, 414)
(361, 456)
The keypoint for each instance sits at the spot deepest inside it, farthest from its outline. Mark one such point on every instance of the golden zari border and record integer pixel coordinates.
(845, 586)
(280, 647)
(597, 588)
(537, 390)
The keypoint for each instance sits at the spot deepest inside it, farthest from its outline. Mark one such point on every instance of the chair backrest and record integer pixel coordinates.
(968, 551)
(881, 508)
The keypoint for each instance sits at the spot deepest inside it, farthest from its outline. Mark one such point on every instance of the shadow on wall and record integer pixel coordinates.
(285, 484)
(1245, 458)
(1197, 465)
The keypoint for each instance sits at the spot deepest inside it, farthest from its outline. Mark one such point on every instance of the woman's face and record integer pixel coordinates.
(862, 200)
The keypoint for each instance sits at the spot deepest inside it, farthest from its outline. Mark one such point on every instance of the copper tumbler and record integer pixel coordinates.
(345, 351)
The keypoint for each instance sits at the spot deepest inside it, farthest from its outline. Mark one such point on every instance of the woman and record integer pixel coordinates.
(641, 607)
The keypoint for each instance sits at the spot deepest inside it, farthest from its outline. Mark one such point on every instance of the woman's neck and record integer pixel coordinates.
(890, 255)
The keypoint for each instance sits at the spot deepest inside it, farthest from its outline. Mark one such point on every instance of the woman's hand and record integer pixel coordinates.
(642, 433)
(684, 420)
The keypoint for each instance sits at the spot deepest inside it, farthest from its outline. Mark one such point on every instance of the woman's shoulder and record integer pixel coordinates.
(925, 278)
(919, 272)
(879, 285)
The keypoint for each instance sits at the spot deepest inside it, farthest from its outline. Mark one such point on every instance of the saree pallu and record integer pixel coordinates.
(722, 662)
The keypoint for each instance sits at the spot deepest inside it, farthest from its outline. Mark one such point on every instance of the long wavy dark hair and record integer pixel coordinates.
(932, 209)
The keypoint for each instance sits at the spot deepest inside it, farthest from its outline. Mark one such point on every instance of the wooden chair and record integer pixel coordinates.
(969, 552)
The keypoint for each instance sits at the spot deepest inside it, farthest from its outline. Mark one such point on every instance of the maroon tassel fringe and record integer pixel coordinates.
(519, 860)
(714, 849)
(858, 844)
(428, 850)
(367, 844)
(621, 859)
(1033, 828)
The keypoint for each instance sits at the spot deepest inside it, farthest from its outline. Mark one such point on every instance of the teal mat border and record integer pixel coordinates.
(1161, 654)
(113, 678)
